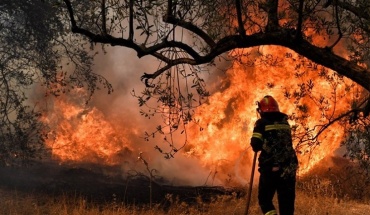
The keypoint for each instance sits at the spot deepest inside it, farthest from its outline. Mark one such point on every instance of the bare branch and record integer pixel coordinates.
(272, 11)
(240, 18)
(364, 107)
(282, 37)
(300, 20)
(131, 21)
(328, 3)
(169, 8)
(192, 28)
(360, 12)
(169, 65)
(104, 17)
(70, 11)
(340, 34)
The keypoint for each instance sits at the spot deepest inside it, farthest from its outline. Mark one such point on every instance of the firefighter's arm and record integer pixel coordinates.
(257, 137)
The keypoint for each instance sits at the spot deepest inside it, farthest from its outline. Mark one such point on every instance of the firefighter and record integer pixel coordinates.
(277, 162)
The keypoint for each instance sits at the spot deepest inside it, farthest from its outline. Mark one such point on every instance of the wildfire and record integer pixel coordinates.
(85, 134)
(229, 116)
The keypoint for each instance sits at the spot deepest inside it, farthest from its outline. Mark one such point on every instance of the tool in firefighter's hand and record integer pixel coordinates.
(249, 194)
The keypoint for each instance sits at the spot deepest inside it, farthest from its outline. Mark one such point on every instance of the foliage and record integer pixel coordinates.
(357, 143)
(196, 32)
(175, 103)
(186, 36)
(34, 50)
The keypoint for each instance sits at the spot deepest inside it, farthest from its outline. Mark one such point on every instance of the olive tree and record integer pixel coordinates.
(185, 36)
(33, 49)
(52, 42)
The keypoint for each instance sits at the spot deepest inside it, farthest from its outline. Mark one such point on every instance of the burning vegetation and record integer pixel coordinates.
(218, 143)
(318, 82)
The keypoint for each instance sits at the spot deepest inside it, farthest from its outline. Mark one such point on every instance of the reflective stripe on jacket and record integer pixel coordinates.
(272, 136)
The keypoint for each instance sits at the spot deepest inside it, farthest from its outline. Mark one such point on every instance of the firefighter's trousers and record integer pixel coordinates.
(271, 182)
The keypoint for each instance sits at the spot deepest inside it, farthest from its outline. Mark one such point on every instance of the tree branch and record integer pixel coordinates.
(327, 125)
(240, 18)
(281, 37)
(70, 12)
(300, 20)
(272, 11)
(189, 26)
(104, 17)
(365, 109)
(325, 57)
(338, 27)
(169, 8)
(131, 21)
(360, 12)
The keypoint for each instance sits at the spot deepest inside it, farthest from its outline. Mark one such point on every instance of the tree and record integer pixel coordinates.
(221, 26)
(187, 35)
(33, 47)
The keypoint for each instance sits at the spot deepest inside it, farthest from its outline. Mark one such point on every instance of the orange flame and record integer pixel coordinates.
(229, 117)
(86, 135)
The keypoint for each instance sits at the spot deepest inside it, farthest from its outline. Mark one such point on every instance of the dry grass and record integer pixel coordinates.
(15, 203)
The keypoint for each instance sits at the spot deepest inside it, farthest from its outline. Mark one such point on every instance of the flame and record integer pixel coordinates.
(228, 119)
(85, 134)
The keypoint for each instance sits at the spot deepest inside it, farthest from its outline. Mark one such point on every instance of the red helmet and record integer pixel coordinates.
(268, 104)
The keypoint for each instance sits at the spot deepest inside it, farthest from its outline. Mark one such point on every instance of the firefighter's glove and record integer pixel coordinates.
(257, 147)
(276, 167)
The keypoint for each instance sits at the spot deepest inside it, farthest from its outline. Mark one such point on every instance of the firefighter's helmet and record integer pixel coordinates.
(268, 104)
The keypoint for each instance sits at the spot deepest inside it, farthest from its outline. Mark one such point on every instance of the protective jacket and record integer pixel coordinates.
(272, 136)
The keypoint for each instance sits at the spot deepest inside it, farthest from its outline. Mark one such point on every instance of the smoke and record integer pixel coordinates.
(110, 128)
